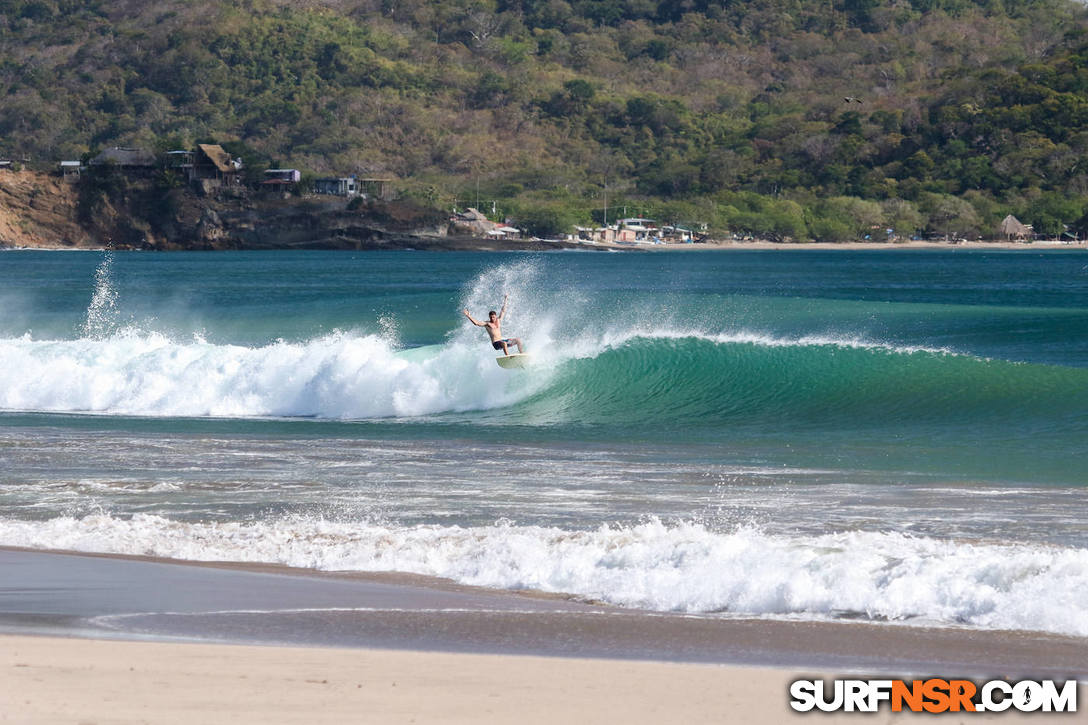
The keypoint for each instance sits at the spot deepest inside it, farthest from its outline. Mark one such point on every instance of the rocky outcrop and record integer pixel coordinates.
(44, 211)
(38, 210)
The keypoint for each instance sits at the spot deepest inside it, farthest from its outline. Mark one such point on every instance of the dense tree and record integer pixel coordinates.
(780, 118)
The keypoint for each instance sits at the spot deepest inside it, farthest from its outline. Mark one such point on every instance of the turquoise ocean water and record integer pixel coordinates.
(892, 435)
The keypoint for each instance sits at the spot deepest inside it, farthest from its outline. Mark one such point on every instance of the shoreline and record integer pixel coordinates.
(180, 642)
(466, 244)
(1019, 246)
(120, 597)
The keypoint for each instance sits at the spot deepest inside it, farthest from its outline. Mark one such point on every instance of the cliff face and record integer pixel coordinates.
(43, 211)
(38, 210)
(305, 223)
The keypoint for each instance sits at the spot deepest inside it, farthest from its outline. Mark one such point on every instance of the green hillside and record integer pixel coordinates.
(783, 118)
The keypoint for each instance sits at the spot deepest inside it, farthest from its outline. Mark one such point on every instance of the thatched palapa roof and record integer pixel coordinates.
(1013, 227)
(218, 156)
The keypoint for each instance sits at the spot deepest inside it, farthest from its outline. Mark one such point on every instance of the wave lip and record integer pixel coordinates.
(678, 567)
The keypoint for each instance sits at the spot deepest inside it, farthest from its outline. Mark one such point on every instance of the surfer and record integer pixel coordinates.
(494, 329)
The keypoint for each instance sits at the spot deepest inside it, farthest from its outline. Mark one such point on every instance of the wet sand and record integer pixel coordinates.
(53, 593)
(127, 639)
(115, 639)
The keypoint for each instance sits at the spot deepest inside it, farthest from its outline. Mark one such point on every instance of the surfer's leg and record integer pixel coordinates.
(517, 341)
(504, 350)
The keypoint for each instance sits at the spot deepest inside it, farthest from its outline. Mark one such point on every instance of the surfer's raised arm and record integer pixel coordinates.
(494, 329)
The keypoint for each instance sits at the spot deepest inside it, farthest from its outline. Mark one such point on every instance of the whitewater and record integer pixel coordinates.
(682, 567)
(740, 436)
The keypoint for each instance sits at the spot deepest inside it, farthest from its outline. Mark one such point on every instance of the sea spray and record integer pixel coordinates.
(101, 316)
(390, 331)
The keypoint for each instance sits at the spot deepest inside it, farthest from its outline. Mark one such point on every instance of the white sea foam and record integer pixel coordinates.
(683, 567)
(336, 376)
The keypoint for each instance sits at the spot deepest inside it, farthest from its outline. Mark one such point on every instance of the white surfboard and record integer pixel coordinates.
(515, 361)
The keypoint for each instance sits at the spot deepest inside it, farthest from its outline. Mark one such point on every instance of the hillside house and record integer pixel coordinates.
(339, 186)
(130, 162)
(70, 170)
(282, 176)
(213, 166)
(372, 187)
(180, 161)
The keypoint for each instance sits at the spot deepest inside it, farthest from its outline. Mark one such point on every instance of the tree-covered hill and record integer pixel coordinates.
(783, 118)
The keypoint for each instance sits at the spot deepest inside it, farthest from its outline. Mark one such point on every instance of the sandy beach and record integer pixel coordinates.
(57, 680)
(53, 680)
(764, 244)
(726, 245)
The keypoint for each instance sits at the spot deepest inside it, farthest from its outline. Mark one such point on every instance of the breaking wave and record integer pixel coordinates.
(646, 376)
(678, 567)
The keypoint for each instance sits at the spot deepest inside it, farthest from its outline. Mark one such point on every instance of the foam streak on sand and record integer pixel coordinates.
(682, 567)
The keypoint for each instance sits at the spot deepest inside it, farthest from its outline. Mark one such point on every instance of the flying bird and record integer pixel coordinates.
(851, 99)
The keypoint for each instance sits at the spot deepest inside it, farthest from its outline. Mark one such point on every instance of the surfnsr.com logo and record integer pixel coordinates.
(933, 695)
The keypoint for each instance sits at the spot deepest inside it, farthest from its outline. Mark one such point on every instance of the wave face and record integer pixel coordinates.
(681, 567)
(649, 377)
(741, 378)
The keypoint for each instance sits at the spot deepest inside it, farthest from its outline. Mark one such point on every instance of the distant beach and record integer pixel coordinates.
(473, 244)
(764, 244)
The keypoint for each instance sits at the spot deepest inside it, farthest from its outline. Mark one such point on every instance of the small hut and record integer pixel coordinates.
(131, 162)
(1013, 228)
(70, 170)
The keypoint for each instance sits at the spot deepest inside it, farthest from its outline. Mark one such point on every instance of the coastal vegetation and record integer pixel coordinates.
(783, 119)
